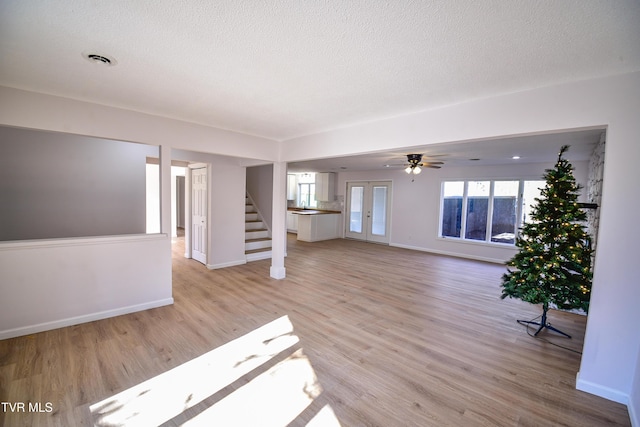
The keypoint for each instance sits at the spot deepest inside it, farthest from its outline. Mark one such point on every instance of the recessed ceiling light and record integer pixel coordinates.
(515, 157)
(99, 59)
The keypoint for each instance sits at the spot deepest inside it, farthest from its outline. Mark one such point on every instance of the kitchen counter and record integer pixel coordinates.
(315, 224)
(300, 211)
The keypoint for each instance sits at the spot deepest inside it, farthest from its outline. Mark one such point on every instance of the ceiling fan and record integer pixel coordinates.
(416, 164)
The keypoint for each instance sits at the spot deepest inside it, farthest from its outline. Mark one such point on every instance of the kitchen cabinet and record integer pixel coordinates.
(313, 227)
(325, 186)
(292, 222)
(292, 187)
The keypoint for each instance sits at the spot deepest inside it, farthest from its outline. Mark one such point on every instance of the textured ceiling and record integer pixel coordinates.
(287, 68)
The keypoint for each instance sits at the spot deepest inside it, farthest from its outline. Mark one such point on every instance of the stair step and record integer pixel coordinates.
(255, 251)
(253, 225)
(257, 254)
(257, 233)
(257, 243)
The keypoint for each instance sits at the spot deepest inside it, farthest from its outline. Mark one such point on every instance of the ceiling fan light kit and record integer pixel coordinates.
(416, 164)
(413, 169)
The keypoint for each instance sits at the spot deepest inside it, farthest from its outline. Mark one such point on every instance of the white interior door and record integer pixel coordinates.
(368, 207)
(199, 214)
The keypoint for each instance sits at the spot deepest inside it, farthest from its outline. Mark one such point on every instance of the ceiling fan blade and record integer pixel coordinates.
(433, 163)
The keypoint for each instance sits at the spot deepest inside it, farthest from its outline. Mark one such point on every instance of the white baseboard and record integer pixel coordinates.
(55, 324)
(277, 272)
(256, 256)
(226, 264)
(453, 254)
(602, 391)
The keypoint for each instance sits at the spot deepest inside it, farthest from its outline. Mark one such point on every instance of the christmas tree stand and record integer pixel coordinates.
(543, 323)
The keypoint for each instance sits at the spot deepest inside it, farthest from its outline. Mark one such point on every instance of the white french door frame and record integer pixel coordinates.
(363, 227)
(189, 222)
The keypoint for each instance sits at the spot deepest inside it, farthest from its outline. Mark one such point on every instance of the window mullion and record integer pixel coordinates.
(440, 225)
(488, 231)
(463, 216)
(519, 209)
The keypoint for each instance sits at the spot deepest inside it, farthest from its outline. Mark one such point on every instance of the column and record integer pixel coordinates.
(279, 220)
(165, 190)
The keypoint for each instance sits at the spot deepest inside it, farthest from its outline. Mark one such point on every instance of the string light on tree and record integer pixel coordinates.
(553, 242)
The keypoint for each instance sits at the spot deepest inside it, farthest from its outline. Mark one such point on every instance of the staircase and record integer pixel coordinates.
(257, 239)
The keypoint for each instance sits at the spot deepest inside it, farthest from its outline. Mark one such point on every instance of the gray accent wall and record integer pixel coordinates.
(56, 185)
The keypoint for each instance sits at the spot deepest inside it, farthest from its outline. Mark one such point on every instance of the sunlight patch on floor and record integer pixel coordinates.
(272, 399)
(324, 418)
(167, 395)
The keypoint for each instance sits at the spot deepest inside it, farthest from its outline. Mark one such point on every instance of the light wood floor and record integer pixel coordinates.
(395, 338)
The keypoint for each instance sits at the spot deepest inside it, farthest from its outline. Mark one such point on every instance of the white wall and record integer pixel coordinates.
(58, 185)
(415, 206)
(47, 284)
(46, 112)
(227, 216)
(79, 273)
(226, 188)
(612, 340)
(634, 400)
(153, 198)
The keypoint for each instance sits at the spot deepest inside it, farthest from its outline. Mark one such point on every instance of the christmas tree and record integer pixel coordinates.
(553, 265)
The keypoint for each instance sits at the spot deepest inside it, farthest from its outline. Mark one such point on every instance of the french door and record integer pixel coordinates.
(368, 208)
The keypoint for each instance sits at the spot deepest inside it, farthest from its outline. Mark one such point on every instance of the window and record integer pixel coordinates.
(505, 211)
(357, 201)
(307, 190)
(379, 210)
(486, 211)
(531, 191)
(477, 208)
(307, 195)
(452, 192)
